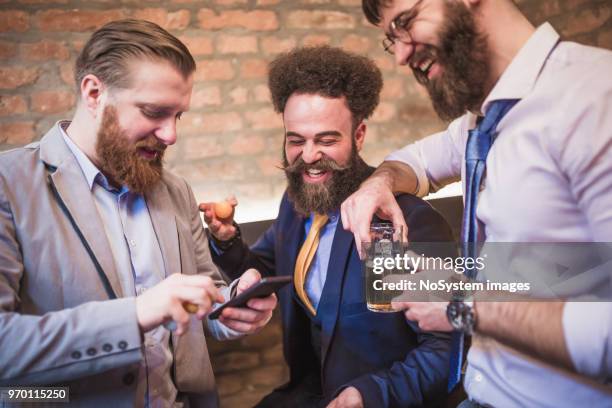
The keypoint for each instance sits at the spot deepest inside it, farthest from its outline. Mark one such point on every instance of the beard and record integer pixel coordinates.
(120, 160)
(464, 56)
(324, 197)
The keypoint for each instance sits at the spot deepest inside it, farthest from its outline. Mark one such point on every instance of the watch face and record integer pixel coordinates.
(460, 316)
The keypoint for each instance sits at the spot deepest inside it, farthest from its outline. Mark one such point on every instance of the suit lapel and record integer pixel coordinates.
(74, 194)
(329, 304)
(164, 224)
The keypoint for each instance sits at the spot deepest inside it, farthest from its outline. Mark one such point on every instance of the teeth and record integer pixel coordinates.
(314, 172)
(425, 65)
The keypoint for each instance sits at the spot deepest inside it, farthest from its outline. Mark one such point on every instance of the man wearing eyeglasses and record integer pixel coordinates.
(533, 116)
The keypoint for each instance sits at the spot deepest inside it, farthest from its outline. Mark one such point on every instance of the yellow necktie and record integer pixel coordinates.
(302, 264)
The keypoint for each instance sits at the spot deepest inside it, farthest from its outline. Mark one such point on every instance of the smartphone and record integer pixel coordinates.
(263, 288)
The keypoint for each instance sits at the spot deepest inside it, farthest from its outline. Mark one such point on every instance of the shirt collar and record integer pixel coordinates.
(91, 172)
(520, 76)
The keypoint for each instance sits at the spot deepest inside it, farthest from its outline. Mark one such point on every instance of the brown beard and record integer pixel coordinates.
(324, 197)
(464, 56)
(120, 160)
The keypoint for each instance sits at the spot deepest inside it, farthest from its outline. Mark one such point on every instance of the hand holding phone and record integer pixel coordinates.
(263, 288)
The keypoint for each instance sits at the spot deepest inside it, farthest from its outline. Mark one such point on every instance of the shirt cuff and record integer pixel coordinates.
(407, 156)
(218, 329)
(587, 327)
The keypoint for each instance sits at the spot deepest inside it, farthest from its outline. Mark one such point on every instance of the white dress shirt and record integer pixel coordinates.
(549, 179)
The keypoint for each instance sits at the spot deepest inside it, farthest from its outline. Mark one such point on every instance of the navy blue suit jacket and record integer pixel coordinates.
(391, 362)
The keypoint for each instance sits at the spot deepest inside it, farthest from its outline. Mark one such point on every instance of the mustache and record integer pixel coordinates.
(429, 52)
(151, 143)
(323, 164)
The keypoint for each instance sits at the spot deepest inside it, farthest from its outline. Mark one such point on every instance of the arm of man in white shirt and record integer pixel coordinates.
(419, 168)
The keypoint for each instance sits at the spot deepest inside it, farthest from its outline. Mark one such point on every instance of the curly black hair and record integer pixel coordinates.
(327, 71)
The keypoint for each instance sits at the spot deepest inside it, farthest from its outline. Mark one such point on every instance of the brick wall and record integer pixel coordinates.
(231, 139)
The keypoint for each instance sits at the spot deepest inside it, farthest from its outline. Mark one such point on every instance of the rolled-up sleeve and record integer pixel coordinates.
(436, 159)
(587, 327)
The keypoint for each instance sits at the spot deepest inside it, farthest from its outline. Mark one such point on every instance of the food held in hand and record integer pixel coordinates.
(223, 210)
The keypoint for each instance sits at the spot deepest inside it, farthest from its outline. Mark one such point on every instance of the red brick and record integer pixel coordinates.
(14, 20)
(356, 43)
(315, 1)
(208, 96)
(175, 20)
(14, 77)
(231, 44)
(253, 68)
(211, 123)
(267, 2)
(384, 112)
(275, 45)
(351, 3)
(385, 63)
(17, 133)
(202, 147)
(247, 145)
(198, 45)
(261, 93)
(256, 20)
(587, 20)
(264, 118)
(316, 39)
(393, 89)
(44, 50)
(269, 165)
(7, 49)
(52, 101)
(230, 2)
(43, 1)
(75, 20)
(213, 70)
(319, 19)
(12, 104)
(67, 73)
(238, 96)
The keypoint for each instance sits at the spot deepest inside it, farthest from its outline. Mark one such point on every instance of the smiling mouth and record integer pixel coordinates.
(423, 68)
(315, 175)
(148, 153)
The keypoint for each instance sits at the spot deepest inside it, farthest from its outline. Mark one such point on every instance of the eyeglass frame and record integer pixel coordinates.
(400, 28)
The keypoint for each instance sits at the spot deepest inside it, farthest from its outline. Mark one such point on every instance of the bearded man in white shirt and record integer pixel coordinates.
(548, 172)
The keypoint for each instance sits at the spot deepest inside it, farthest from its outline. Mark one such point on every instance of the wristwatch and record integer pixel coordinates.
(461, 315)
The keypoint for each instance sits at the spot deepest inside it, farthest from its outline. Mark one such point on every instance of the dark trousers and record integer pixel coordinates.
(306, 394)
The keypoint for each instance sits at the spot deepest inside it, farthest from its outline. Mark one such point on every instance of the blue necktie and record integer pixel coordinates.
(479, 143)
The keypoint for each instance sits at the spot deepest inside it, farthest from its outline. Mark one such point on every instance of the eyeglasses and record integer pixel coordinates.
(399, 28)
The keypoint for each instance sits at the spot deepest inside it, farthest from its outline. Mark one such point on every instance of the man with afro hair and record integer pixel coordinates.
(339, 353)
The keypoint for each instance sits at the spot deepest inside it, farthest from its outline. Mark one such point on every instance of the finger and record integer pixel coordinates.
(239, 326)
(180, 317)
(398, 220)
(248, 279)
(232, 200)
(205, 206)
(263, 304)
(344, 214)
(244, 314)
(362, 232)
(400, 305)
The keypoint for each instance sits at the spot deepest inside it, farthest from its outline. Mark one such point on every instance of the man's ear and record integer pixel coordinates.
(92, 90)
(360, 133)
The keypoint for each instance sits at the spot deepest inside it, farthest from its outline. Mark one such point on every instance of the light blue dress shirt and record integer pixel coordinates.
(317, 273)
(139, 263)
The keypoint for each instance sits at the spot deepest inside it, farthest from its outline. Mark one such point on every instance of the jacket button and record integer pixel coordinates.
(76, 355)
(128, 379)
(107, 347)
(122, 344)
(91, 351)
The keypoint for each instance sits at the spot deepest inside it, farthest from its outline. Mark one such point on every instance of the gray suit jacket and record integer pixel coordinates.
(63, 316)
